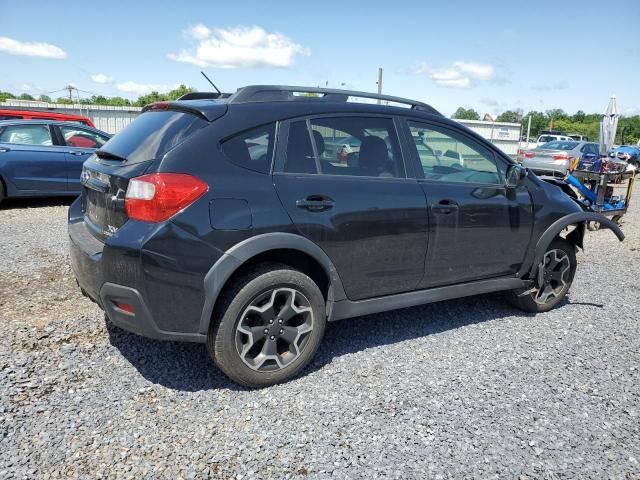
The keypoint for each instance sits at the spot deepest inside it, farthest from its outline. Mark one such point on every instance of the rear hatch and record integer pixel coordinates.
(106, 174)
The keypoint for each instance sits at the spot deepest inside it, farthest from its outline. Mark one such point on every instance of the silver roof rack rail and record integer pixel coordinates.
(282, 93)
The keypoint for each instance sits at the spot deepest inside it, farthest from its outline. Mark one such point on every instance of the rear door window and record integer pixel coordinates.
(349, 145)
(26, 135)
(153, 134)
(79, 137)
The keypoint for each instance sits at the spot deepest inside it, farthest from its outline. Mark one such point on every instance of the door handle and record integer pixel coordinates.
(4, 149)
(315, 203)
(445, 207)
(75, 152)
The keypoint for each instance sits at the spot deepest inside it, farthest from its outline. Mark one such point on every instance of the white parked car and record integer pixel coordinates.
(550, 137)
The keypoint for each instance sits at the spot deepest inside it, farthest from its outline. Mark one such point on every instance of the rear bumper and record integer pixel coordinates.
(544, 167)
(96, 279)
(141, 320)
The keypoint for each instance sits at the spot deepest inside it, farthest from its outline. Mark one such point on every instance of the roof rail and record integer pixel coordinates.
(270, 93)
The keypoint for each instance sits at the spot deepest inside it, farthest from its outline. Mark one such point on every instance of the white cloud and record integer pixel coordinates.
(238, 47)
(476, 71)
(459, 75)
(463, 82)
(31, 49)
(143, 88)
(198, 32)
(101, 78)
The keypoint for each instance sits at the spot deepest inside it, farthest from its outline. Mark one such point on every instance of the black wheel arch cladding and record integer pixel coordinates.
(575, 237)
(237, 256)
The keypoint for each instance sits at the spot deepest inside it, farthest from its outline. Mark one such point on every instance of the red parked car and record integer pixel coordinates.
(7, 114)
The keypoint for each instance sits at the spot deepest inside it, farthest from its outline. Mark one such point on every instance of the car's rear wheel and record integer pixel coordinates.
(1, 192)
(554, 277)
(268, 326)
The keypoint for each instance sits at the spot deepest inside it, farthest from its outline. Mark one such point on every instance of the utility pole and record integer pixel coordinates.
(379, 82)
(70, 88)
(529, 129)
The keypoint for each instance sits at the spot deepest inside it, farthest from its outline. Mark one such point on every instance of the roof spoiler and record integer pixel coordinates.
(204, 96)
(209, 114)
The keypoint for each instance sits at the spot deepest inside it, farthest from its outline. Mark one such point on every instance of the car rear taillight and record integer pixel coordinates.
(561, 156)
(159, 196)
(529, 154)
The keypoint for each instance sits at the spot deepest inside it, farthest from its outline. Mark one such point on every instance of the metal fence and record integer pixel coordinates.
(503, 135)
(107, 118)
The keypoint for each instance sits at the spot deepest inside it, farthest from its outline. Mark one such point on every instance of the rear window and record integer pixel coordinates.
(153, 134)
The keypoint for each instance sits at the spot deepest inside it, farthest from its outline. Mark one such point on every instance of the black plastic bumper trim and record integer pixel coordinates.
(141, 322)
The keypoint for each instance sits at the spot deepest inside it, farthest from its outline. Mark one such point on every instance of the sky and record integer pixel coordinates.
(490, 56)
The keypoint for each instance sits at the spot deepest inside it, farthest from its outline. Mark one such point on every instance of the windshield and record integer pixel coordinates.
(151, 135)
(558, 145)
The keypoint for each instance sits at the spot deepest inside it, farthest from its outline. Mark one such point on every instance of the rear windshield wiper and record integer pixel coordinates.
(104, 155)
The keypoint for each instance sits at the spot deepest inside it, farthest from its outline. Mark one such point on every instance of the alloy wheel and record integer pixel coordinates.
(553, 275)
(274, 329)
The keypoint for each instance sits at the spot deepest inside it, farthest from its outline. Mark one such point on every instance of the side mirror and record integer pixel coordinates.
(515, 176)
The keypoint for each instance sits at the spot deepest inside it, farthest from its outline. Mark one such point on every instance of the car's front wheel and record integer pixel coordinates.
(268, 326)
(553, 279)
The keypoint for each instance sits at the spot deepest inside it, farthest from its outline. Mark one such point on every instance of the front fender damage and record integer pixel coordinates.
(576, 236)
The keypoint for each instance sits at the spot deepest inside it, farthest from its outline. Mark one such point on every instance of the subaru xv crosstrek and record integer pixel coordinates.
(228, 221)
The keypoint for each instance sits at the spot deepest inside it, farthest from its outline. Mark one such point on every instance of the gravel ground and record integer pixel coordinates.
(465, 388)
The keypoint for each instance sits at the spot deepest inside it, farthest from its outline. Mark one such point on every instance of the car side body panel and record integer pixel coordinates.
(179, 268)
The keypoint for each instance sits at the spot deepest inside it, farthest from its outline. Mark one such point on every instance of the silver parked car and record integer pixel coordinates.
(555, 157)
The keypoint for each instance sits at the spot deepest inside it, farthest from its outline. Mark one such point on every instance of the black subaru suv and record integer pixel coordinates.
(248, 222)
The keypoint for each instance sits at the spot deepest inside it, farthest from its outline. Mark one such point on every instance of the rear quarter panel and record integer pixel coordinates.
(177, 258)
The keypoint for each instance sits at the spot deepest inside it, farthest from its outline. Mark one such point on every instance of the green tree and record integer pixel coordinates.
(26, 96)
(579, 116)
(512, 116)
(45, 98)
(538, 122)
(150, 98)
(5, 96)
(178, 92)
(553, 115)
(466, 114)
(119, 102)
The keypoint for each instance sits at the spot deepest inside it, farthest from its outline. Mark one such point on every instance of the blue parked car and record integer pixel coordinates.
(44, 157)
(627, 153)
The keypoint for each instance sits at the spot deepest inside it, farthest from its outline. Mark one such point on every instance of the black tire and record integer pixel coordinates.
(228, 344)
(1, 192)
(532, 301)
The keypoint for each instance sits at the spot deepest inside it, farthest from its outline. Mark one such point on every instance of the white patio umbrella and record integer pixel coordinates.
(608, 126)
